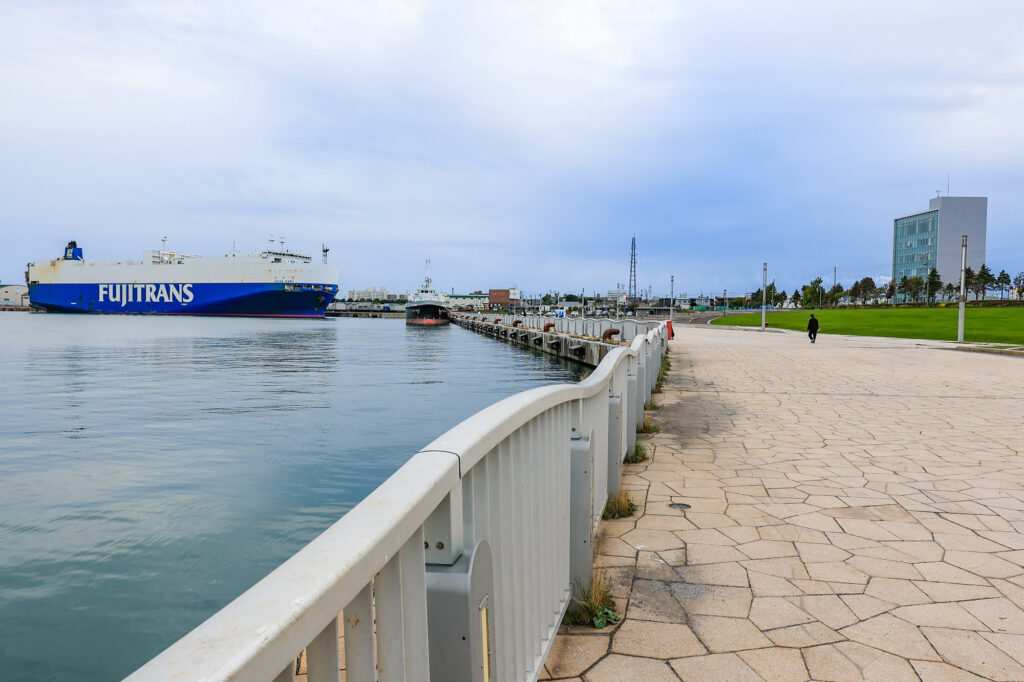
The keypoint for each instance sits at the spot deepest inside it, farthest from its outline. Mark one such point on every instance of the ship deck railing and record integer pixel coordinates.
(525, 479)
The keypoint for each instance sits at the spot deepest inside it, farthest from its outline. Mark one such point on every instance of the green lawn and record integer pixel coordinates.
(992, 325)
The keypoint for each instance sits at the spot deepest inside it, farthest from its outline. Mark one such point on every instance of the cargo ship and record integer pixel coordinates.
(426, 307)
(272, 283)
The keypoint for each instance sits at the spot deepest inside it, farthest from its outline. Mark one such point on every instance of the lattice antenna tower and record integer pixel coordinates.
(632, 270)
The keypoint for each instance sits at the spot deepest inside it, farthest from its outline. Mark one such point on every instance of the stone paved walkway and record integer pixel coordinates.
(856, 510)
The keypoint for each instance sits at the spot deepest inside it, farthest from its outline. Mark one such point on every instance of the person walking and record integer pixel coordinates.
(812, 328)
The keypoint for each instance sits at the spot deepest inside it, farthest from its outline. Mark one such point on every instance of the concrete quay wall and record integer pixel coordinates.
(588, 351)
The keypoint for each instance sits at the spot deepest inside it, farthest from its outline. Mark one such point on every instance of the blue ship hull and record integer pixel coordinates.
(261, 299)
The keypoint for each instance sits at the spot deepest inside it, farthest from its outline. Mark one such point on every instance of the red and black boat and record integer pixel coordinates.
(426, 307)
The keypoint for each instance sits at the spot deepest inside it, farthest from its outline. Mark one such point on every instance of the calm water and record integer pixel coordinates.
(151, 469)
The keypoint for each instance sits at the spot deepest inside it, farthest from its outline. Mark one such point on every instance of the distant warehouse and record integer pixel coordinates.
(931, 239)
(474, 301)
(505, 298)
(14, 295)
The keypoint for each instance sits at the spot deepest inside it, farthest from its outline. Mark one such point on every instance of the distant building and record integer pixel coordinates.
(931, 239)
(618, 293)
(475, 301)
(371, 294)
(15, 295)
(505, 298)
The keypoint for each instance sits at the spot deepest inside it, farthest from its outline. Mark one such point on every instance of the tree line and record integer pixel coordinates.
(915, 289)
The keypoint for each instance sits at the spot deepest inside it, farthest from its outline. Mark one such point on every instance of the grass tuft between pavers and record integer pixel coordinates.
(619, 506)
(638, 455)
(596, 608)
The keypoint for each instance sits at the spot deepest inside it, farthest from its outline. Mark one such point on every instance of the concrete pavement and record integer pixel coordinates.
(855, 511)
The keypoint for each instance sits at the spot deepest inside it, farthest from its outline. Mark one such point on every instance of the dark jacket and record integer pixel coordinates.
(812, 324)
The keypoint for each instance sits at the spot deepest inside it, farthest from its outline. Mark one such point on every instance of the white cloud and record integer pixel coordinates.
(528, 140)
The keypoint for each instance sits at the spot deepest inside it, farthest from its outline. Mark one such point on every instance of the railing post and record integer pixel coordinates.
(460, 606)
(414, 609)
(581, 534)
(596, 424)
(641, 387)
(614, 444)
(641, 383)
(653, 366)
(443, 530)
(360, 662)
(631, 421)
(322, 664)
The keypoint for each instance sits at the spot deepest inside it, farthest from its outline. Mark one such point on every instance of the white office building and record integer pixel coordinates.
(932, 239)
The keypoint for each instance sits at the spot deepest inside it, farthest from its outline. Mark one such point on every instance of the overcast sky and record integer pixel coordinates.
(513, 143)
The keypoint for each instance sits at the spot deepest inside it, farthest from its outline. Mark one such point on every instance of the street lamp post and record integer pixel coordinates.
(764, 294)
(671, 299)
(963, 290)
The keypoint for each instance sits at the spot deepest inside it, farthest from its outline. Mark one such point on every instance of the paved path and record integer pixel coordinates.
(706, 317)
(856, 512)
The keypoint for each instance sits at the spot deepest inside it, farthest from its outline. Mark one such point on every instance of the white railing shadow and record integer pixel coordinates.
(461, 564)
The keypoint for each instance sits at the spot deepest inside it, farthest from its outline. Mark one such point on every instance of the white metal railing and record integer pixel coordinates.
(461, 564)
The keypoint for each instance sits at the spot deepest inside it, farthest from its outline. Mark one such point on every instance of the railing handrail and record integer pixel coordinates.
(474, 437)
(276, 618)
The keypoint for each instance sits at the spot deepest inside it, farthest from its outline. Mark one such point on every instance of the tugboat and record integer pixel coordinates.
(426, 307)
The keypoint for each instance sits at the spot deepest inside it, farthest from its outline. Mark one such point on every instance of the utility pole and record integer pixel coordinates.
(834, 282)
(632, 272)
(764, 294)
(963, 290)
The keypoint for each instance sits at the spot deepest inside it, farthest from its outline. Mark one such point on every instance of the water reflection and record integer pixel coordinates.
(153, 468)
